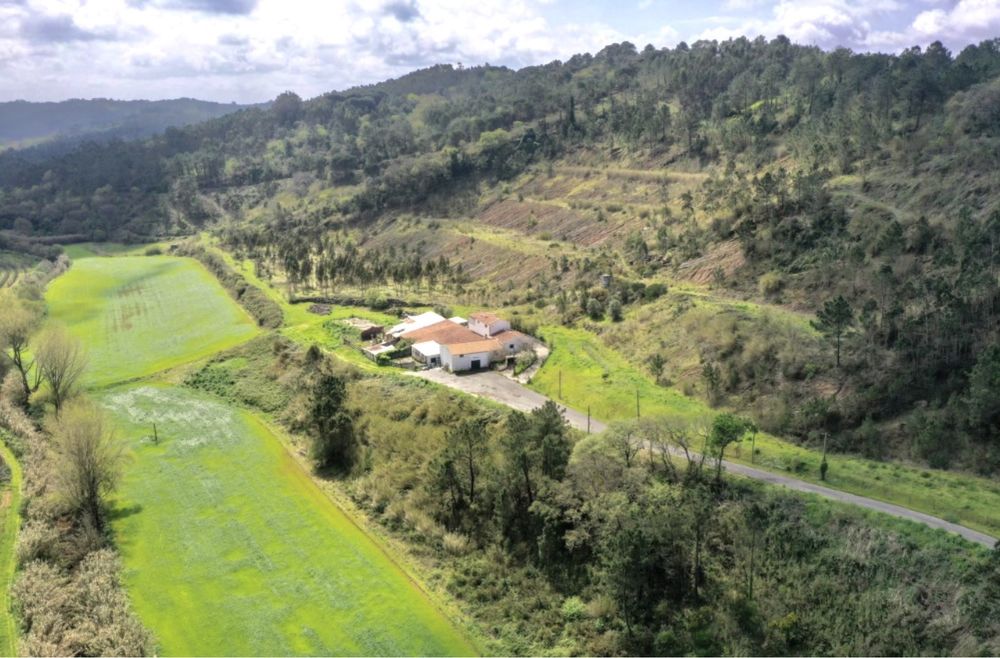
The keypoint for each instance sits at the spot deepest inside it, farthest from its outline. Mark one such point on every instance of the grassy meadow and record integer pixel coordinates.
(230, 547)
(596, 377)
(141, 315)
(10, 521)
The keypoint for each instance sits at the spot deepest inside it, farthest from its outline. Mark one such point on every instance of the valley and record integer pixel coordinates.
(686, 350)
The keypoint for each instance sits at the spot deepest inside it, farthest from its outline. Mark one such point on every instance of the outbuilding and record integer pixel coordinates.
(427, 352)
(469, 356)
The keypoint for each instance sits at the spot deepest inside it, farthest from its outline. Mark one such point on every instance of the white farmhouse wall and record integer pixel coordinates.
(463, 362)
(514, 344)
(488, 330)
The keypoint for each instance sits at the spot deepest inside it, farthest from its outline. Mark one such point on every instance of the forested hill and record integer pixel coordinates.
(862, 186)
(23, 123)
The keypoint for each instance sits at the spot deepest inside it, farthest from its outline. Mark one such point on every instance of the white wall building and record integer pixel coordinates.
(487, 324)
(469, 356)
(414, 322)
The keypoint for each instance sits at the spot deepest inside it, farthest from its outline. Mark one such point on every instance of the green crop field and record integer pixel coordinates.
(596, 377)
(230, 548)
(140, 315)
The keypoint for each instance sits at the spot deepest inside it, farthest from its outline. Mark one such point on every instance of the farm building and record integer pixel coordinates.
(487, 324)
(427, 341)
(468, 356)
(449, 344)
(413, 322)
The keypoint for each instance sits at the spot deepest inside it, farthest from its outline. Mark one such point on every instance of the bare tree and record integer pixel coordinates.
(88, 460)
(17, 323)
(62, 361)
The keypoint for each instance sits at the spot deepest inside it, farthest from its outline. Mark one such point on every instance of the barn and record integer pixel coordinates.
(469, 356)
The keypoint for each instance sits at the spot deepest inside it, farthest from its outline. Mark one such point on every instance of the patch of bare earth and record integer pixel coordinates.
(565, 224)
(480, 259)
(726, 257)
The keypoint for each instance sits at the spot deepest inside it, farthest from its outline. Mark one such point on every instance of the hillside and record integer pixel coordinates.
(25, 124)
(733, 191)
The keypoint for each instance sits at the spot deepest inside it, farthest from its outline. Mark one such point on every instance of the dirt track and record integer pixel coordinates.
(506, 391)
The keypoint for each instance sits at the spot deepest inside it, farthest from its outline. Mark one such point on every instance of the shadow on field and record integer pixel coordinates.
(123, 512)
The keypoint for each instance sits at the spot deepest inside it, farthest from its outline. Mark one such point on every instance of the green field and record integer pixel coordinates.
(10, 521)
(141, 315)
(230, 548)
(596, 377)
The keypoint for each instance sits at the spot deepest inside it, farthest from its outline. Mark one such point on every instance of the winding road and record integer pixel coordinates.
(501, 389)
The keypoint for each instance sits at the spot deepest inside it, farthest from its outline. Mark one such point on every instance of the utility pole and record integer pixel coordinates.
(823, 465)
(156, 437)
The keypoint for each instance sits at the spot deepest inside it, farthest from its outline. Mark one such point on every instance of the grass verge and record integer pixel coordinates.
(10, 521)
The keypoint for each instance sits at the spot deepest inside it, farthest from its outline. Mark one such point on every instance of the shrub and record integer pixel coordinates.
(153, 251)
(595, 309)
(84, 613)
(456, 544)
(615, 310)
(770, 284)
(36, 541)
(377, 302)
(654, 291)
(573, 609)
(524, 360)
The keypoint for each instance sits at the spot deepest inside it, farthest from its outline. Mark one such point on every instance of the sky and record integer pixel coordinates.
(252, 50)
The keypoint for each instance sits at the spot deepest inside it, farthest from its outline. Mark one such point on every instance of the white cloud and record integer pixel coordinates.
(852, 23)
(249, 51)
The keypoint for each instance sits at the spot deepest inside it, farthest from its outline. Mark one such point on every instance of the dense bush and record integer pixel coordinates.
(67, 593)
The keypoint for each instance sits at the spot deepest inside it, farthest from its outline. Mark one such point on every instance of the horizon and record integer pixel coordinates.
(249, 51)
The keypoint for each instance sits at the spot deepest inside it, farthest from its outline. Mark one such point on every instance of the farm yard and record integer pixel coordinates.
(228, 545)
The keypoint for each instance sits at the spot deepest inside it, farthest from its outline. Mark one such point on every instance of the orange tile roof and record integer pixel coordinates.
(461, 349)
(509, 333)
(444, 332)
(485, 317)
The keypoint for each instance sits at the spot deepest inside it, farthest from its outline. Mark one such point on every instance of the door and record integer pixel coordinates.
(476, 363)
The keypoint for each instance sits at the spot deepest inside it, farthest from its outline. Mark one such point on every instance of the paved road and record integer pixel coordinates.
(496, 387)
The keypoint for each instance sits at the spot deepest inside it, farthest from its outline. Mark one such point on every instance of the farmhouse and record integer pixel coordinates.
(487, 324)
(450, 344)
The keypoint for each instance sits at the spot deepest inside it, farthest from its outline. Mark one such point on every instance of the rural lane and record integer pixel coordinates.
(506, 391)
